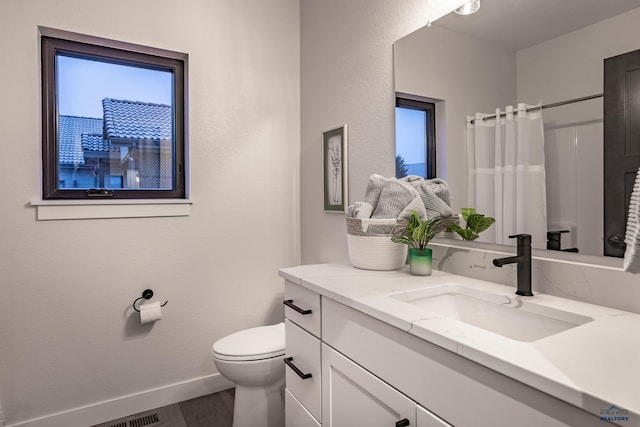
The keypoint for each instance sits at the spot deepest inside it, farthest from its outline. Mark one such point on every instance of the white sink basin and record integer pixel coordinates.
(510, 316)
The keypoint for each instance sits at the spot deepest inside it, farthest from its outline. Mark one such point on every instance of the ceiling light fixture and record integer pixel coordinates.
(468, 8)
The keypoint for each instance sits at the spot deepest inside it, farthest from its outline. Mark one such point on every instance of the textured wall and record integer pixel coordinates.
(347, 78)
(68, 336)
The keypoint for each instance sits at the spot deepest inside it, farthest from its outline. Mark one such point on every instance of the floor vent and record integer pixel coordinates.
(145, 421)
(148, 420)
(166, 416)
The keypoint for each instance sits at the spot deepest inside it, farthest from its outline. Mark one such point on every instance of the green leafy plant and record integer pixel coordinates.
(476, 224)
(417, 233)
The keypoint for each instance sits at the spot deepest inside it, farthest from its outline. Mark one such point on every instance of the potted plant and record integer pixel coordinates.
(417, 234)
(475, 224)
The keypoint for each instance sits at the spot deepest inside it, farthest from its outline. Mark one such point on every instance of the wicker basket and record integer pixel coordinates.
(370, 245)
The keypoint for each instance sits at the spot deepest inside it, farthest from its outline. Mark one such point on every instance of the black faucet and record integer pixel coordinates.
(554, 240)
(523, 259)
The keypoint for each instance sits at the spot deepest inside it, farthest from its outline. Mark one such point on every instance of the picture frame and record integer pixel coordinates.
(334, 166)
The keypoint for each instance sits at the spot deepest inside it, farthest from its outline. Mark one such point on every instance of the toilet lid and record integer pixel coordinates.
(263, 342)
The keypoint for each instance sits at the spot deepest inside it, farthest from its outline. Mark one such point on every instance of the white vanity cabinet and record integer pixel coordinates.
(449, 386)
(366, 372)
(351, 395)
(303, 370)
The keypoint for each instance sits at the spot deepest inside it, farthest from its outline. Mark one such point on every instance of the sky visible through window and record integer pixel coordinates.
(411, 138)
(83, 83)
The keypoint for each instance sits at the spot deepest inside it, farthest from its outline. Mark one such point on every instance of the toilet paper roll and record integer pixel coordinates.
(150, 312)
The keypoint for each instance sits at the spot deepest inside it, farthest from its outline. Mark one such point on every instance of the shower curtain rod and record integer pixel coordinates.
(555, 104)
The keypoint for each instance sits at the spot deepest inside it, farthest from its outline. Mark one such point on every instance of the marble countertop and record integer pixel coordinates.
(593, 366)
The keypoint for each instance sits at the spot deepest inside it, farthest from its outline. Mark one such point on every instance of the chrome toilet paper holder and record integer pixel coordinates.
(146, 294)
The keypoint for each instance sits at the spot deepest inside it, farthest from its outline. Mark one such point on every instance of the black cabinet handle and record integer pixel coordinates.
(289, 362)
(289, 303)
(403, 423)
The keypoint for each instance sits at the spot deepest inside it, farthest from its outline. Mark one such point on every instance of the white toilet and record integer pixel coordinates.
(254, 360)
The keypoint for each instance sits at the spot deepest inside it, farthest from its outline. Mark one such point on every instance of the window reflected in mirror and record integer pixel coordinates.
(415, 138)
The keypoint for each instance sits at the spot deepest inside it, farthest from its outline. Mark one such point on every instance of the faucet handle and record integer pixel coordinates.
(523, 239)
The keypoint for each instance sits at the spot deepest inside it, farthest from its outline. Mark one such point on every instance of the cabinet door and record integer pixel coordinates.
(351, 396)
(428, 419)
(296, 415)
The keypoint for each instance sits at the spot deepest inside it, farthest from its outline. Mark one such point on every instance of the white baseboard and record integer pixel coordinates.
(124, 406)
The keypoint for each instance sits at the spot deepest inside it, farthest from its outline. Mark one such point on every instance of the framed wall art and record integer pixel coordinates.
(334, 161)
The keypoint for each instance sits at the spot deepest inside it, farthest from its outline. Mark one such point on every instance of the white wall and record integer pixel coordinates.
(571, 66)
(462, 90)
(574, 156)
(347, 77)
(68, 336)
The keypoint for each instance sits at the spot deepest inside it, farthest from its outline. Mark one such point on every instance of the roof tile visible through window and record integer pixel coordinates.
(95, 142)
(137, 120)
(122, 119)
(70, 129)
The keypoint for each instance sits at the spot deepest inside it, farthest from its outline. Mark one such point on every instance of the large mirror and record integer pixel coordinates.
(526, 51)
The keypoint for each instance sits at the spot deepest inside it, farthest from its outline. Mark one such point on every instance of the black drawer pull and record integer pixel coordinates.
(403, 423)
(289, 303)
(289, 362)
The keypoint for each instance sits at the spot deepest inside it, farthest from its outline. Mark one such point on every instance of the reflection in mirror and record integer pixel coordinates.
(415, 138)
(530, 51)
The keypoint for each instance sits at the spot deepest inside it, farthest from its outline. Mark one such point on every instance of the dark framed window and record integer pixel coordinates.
(415, 138)
(113, 121)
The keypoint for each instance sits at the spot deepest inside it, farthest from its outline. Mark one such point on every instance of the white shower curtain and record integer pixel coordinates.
(507, 175)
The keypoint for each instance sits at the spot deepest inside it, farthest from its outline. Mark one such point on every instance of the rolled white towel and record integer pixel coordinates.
(374, 188)
(434, 193)
(415, 205)
(441, 189)
(360, 210)
(392, 199)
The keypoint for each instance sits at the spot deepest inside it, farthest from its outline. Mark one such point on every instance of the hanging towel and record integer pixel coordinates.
(632, 235)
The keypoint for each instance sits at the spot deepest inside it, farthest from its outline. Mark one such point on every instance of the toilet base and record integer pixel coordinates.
(259, 406)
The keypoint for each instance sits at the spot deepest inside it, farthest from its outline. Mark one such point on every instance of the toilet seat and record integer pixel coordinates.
(263, 342)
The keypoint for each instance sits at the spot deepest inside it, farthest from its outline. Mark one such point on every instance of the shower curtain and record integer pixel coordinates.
(507, 174)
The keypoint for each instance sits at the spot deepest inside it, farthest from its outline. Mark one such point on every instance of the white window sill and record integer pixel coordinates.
(94, 209)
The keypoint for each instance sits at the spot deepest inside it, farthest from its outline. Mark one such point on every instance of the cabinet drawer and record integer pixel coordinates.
(303, 352)
(295, 414)
(302, 306)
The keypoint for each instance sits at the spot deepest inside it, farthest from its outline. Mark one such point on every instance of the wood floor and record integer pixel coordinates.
(213, 410)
